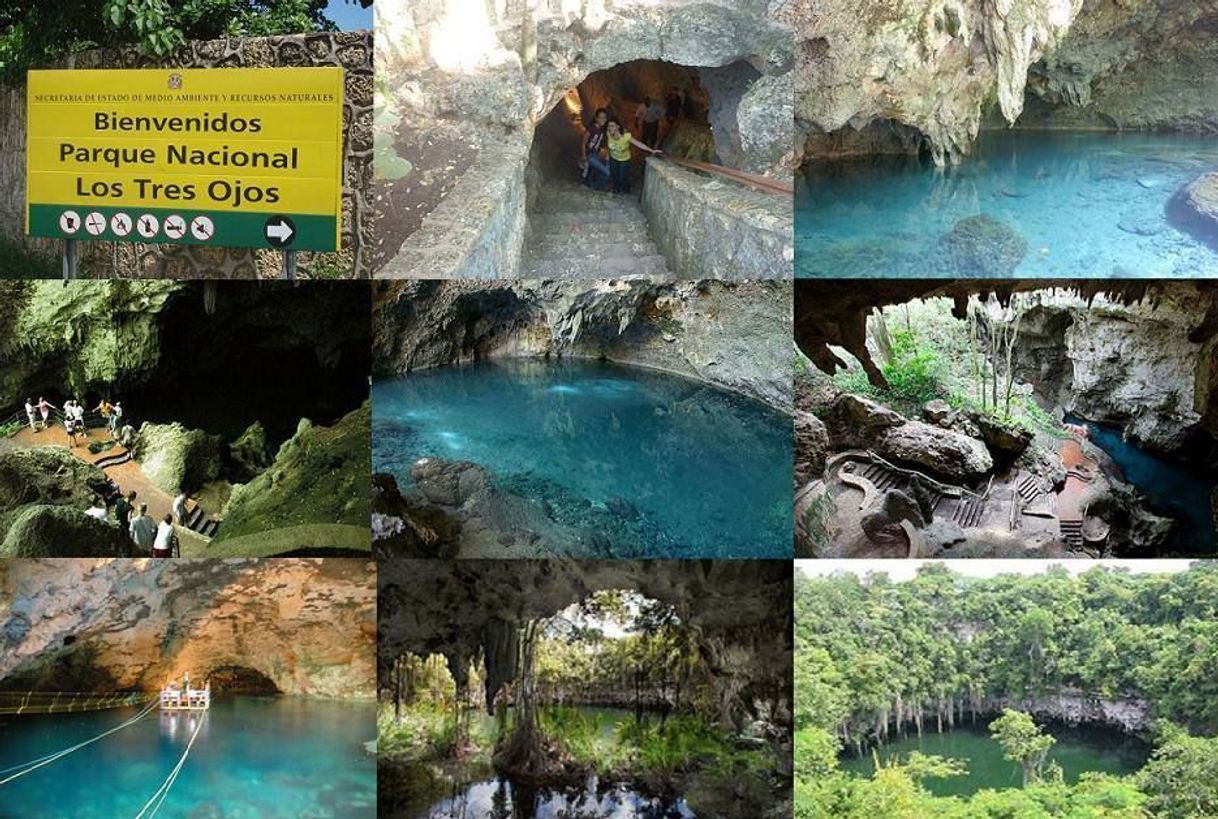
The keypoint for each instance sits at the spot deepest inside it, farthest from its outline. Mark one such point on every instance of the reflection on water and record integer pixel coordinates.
(254, 758)
(1088, 205)
(1077, 751)
(500, 798)
(1172, 489)
(680, 468)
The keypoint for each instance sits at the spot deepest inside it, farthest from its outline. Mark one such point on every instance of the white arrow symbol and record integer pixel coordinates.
(281, 231)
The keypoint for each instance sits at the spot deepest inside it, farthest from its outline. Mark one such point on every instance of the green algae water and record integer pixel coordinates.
(1078, 751)
(662, 466)
(253, 758)
(1087, 205)
(472, 790)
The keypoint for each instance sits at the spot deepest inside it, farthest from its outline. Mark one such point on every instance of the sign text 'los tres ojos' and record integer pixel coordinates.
(233, 157)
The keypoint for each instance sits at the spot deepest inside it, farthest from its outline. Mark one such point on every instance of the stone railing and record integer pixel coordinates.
(714, 229)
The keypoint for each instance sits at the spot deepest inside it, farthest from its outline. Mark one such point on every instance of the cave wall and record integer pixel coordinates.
(735, 335)
(946, 67)
(485, 74)
(309, 626)
(739, 609)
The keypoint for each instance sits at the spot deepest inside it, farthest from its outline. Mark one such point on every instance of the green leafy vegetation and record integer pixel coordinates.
(873, 656)
(17, 262)
(34, 35)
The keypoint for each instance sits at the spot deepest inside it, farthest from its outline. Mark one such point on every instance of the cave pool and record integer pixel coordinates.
(254, 758)
(1171, 489)
(678, 468)
(1078, 750)
(482, 793)
(1089, 204)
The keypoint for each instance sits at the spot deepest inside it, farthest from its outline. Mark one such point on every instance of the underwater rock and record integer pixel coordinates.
(176, 458)
(62, 531)
(1194, 209)
(1141, 224)
(981, 247)
(945, 454)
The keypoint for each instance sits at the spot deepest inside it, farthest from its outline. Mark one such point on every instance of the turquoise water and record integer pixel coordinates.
(661, 466)
(1171, 489)
(1078, 750)
(1089, 205)
(254, 758)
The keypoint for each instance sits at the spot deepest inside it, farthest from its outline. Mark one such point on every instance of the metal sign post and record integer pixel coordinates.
(69, 259)
(289, 264)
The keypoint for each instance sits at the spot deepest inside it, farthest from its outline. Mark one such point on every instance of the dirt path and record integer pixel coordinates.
(127, 475)
(1079, 469)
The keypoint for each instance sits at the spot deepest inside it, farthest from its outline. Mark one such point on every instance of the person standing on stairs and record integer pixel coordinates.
(593, 153)
(143, 530)
(179, 508)
(647, 121)
(620, 156)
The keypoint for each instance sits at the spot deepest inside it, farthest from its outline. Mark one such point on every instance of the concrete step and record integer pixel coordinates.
(593, 267)
(575, 247)
(557, 221)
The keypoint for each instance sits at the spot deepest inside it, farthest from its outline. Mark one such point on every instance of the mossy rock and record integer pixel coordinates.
(176, 458)
(319, 476)
(307, 540)
(48, 476)
(250, 453)
(41, 530)
(981, 247)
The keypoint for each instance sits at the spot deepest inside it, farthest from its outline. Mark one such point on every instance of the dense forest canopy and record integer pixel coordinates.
(876, 657)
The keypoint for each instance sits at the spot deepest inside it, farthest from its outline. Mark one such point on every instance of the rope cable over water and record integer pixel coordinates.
(163, 791)
(35, 764)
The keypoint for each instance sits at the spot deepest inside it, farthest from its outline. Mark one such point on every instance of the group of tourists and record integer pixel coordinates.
(74, 425)
(605, 150)
(155, 538)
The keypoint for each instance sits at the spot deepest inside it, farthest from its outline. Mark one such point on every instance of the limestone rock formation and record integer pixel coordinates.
(928, 64)
(46, 530)
(461, 609)
(38, 478)
(812, 444)
(319, 478)
(1194, 209)
(904, 75)
(943, 453)
(250, 453)
(730, 334)
(96, 625)
(176, 458)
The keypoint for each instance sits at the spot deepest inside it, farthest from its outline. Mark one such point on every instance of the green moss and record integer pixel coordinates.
(320, 475)
(304, 540)
(19, 262)
(41, 530)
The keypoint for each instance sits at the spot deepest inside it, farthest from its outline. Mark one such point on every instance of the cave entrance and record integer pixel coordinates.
(256, 354)
(240, 679)
(590, 222)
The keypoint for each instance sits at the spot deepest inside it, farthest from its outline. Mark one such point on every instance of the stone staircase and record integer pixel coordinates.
(576, 232)
(198, 521)
(1072, 533)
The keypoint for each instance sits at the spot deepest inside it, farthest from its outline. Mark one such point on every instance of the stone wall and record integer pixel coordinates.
(478, 230)
(351, 50)
(710, 228)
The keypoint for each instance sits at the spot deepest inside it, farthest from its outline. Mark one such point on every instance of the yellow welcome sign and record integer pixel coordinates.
(233, 157)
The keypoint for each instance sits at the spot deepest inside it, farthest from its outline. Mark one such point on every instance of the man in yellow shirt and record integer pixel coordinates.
(619, 143)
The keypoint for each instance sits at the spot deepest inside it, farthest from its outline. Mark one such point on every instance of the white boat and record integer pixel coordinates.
(175, 697)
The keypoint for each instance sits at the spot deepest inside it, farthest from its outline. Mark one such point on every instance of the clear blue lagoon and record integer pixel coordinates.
(254, 758)
(1089, 205)
(687, 469)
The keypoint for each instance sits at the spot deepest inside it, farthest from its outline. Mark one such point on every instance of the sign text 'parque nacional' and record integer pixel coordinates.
(231, 157)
